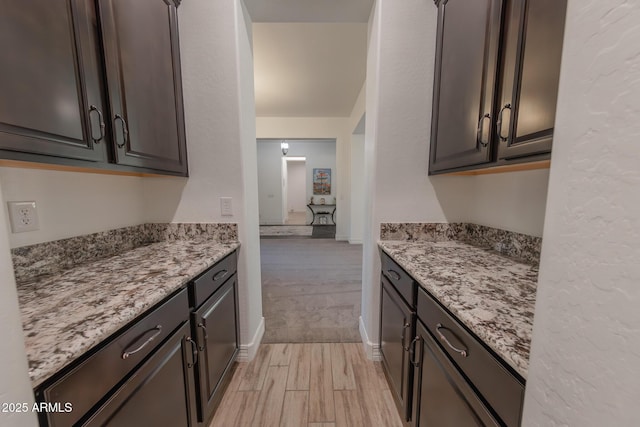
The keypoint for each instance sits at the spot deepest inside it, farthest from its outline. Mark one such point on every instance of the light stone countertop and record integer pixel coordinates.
(64, 315)
(494, 296)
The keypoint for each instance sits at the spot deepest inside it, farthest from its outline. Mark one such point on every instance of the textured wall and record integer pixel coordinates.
(14, 378)
(398, 103)
(217, 73)
(357, 188)
(511, 201)
(72, 203)
(585, 360)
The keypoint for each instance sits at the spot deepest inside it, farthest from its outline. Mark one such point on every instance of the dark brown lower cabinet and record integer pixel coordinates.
(396, 330)
(215, 326)
(159, 393)
(441, 395)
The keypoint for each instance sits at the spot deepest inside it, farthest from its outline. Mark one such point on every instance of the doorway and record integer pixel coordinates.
(294, 190)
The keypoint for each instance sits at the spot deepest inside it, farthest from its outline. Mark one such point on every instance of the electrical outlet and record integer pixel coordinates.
(23, 216)
(226, 206)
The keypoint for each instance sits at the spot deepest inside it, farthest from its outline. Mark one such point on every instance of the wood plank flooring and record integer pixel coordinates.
(308, 385)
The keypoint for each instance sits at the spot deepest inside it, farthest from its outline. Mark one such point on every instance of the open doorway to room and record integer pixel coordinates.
(295, 190)
(297, 182)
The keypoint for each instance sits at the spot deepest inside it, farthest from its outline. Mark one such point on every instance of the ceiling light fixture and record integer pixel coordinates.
(285, 147)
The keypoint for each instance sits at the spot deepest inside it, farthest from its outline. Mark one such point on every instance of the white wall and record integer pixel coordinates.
(297, 183)
(72, 203)
(270, 183)
(217, 72)
(398, 105)
(15, 385)
(585, 359)
(356, 167)
(357, 188)
(319, 128)
(510, 201)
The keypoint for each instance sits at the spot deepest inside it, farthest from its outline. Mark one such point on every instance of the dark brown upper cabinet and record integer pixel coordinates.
(52, 101)
(496, 82)
(143, 76)
(465, 76)
(92, 84)
(533, 35)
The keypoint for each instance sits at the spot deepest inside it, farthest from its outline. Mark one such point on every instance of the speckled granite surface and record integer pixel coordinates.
(514, 245)
(53, 257)
(69, 312)
(493, 295)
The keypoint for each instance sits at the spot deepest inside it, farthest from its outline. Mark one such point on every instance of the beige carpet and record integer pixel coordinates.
(311, 290)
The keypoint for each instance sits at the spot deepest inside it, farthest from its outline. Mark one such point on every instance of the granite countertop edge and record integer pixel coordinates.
(510, 336)
(67, 314)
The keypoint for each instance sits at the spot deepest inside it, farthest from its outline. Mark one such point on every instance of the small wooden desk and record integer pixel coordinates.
(317, 213)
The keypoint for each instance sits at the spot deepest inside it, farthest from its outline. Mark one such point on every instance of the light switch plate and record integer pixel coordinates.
(23, 216)
(226, 206)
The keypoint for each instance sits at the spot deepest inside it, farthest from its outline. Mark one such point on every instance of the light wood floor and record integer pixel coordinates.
(308, 385)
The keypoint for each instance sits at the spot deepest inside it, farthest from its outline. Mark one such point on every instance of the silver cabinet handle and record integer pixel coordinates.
(93, 108)
(194, 347)
(125, 130)
(205, 336)
(220, 274)
(499, 122)
(157, 328)
(412, 351)
(404, 333)
(481, 130)
(394, 274)
(439, 326)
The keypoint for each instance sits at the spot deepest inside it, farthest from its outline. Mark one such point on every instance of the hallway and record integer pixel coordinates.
(311, 290)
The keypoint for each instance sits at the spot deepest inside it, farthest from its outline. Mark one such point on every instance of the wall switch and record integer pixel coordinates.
(226, 207)
(23, 216)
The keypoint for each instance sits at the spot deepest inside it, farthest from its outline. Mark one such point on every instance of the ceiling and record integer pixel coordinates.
(309, 55)
(309, 10)
(308, 69)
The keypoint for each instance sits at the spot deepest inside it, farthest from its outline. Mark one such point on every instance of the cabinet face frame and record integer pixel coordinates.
(211, 394)
(121, 120)
(516, 26)
(482, 153)
(402, 396)
(88, 68)
(91, 34)
(177, 348)
(467, 400)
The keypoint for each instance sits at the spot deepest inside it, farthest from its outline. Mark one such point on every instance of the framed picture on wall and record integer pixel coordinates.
(321, 181)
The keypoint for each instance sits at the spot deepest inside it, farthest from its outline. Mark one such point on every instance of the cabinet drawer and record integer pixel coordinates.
(89, 382)
(205, 285)
(400, 280)
(501, 389)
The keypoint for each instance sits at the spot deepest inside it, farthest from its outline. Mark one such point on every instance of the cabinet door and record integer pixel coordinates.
(159, 393)
(533, 36)
(441, 395)
(143, 77)
(50, 80)
(466, 62)
(396, 328)
(216, 324)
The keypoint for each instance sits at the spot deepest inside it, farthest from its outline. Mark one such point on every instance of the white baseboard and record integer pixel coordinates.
(342, 238)
(355, 241)
(247, 352)
(372, 350)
